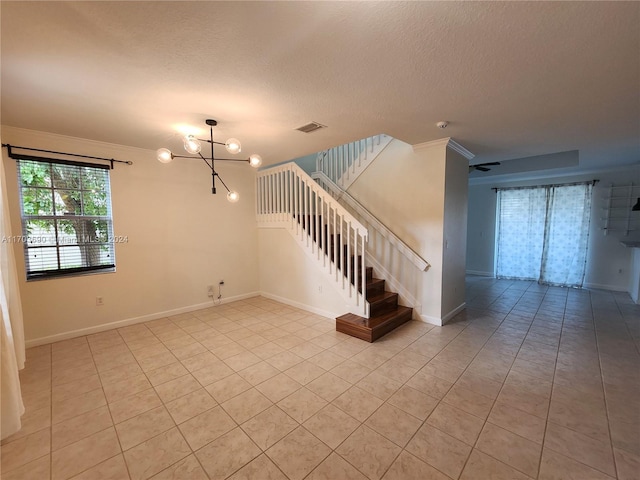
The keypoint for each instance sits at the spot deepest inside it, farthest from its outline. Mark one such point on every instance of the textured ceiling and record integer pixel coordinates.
(514, 79)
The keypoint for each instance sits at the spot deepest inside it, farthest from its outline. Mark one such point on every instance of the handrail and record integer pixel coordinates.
(393, 239)
(344, 163)
(287, 197)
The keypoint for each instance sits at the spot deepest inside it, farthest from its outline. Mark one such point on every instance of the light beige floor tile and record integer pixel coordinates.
(113, 469)
(532, 404)
(357, 403)
(75, 388)
(177, 388)
(302, 404)
(212, 373)
(32, 421)
(328, 386)
(519, 422)
(284, 360)
(246, 405)
(269, 427)
(439, 450)
(166, 373)
(77, 372)
(394, 424)
(228, 387)
(481, 466)
(379, 385)
(479, 384)
(138, 429)
(134, 405)
(304, 372)
(412, 401)
(242, 360)
(627, 465)
(84, 454)
(258, 373)
(432, 386)
(331, 425)
(408, 467)
(509, 448)
(77, 428)
(351, 371)
(457, 423)
(298, 453)
(74, 406)
(25, 450)
(192, 404)
(369, 452)
(157, 361)
(261, 468)
(442, 370)
(278, 387)
(594, 453)
(206, 427)
(334, 467)
(588, 422)
(186, 469)
(227, 454)
(187, 351)
(558, 467)
(120, 373)
(199, 361)
(156, 454)
(37, 469)
(124, 388)
(327, 360)
(469, 401)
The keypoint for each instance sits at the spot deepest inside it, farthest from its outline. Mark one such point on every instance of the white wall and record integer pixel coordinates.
(289, 276)
(405, 189)
(608, 261)
(181, 238)
(454, 234)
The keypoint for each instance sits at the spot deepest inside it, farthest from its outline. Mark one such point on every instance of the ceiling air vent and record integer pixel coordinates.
(311, 127)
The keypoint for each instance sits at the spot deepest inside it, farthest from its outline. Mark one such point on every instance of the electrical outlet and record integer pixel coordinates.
(99, 301)
(210, 292)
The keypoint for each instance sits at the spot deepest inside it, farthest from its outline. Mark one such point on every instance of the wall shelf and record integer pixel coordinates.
(619, 217)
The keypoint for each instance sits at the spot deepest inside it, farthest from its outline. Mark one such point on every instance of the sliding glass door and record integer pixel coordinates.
(543, 233)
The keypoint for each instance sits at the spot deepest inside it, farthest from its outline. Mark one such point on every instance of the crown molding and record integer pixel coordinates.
(445, 142)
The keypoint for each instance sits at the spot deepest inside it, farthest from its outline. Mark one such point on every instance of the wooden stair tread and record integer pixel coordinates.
(382, 297)
(370, 329)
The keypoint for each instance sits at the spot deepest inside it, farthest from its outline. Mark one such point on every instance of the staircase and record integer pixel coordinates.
(384, 312)
(289, 198)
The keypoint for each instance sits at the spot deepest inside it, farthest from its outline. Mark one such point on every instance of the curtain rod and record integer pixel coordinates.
(592, 182)
(14, 155)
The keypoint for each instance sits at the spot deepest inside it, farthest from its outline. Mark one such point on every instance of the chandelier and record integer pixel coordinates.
(193, 146)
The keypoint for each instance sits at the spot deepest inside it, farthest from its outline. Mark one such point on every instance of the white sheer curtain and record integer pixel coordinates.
(12, 354)
(543, 233)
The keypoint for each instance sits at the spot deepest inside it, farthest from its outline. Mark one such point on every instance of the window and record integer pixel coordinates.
(543, 233)
(66, 217)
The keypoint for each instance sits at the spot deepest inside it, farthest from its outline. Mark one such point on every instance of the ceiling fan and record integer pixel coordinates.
(482, 166)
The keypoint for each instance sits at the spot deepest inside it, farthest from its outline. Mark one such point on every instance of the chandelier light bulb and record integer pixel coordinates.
(255, 160)
(192, 144)
(233, 146)
(233, 197)
(164, 155)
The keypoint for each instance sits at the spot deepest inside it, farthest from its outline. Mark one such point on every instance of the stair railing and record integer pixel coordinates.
(382, 242)
(343, 164)
(287, 197)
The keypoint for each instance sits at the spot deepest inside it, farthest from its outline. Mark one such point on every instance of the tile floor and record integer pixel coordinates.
(528, 382)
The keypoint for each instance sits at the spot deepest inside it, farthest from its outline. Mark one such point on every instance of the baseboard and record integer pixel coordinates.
(453, 312)
(130, 321)
(445, 318)
(480, 273)
(598, 286)
(302, 306)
